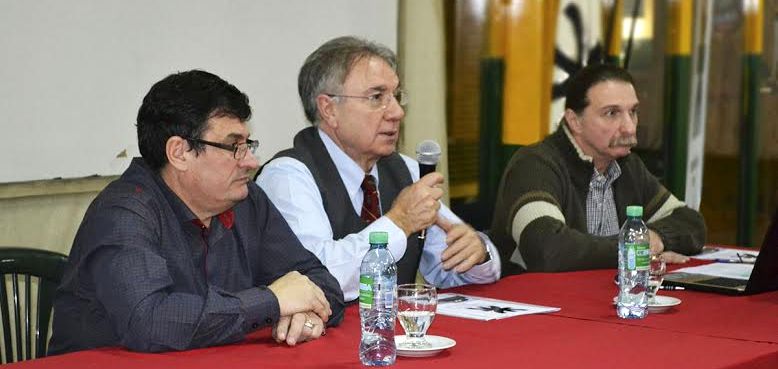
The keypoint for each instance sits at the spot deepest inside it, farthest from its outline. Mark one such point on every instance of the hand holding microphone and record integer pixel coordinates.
(427, 154)
(416, 207)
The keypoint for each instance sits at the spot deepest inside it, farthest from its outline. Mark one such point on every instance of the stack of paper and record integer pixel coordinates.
(481, 308)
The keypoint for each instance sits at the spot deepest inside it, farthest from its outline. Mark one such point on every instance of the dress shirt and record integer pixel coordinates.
(291, 187)
(145, 274)
(601, 215)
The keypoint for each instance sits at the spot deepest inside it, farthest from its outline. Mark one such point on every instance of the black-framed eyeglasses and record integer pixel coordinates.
(380, 100)
(239, 150)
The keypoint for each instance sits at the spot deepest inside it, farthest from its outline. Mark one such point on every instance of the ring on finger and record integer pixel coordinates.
(308, 323)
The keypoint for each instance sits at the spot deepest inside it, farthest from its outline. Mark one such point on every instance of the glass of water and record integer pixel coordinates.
(416, 305)
(656, 274)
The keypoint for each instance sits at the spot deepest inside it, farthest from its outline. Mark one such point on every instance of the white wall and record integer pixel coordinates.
(74, 72)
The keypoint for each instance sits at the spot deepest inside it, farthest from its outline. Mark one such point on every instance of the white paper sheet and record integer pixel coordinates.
(481, 308)
(726, 270)
(713, 253)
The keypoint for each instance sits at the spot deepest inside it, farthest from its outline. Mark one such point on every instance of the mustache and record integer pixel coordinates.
(629, 141)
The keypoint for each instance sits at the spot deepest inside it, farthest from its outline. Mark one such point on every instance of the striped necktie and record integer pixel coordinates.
(370, 208)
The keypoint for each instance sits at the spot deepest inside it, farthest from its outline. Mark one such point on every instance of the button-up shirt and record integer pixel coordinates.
(290, 186)
(144, 273)
(601, 216)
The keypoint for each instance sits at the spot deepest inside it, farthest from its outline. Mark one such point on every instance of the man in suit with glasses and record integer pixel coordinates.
(343, 178)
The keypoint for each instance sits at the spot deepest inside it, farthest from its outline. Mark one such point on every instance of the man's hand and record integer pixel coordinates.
(300, 327)
(658, 248)
(416, 207)
(655, 243)
(465, 249)
(296, 293)
(671, 257)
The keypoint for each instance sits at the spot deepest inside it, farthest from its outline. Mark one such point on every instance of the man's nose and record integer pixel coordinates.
(629, 124)
(394, 111)
(249, 161)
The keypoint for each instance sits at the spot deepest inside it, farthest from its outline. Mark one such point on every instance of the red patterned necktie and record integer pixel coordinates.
(370, 208)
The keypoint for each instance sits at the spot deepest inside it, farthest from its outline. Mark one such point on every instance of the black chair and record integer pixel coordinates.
(26, 337)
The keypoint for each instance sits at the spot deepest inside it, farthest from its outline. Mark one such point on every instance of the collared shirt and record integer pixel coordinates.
(144, 273)
(291, 187)
(601, 216)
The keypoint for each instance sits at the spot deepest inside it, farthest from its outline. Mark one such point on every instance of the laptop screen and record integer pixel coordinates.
(764, 277)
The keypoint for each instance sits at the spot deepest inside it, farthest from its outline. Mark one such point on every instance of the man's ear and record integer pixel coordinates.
(573, 123)
(327, 110)
(177, 152)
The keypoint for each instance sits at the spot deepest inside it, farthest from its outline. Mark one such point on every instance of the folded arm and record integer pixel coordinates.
(681, 229)
(149, 315)
(544, 239)
(278, 243)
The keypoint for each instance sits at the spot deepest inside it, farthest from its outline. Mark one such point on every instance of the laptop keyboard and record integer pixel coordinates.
(724, 282)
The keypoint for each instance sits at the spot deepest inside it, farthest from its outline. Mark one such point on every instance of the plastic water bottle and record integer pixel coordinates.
(634, 256)
(378, 303)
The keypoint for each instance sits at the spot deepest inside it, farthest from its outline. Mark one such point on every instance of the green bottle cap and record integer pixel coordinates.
(379, 237)
(634, 211)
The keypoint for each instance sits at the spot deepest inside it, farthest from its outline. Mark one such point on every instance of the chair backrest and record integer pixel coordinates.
(26, 272)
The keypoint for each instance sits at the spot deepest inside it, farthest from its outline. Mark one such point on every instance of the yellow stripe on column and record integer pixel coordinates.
(549, 45)
(679, 38)
(754, 17)
(613, 13)
(496, 23)
(525, 79)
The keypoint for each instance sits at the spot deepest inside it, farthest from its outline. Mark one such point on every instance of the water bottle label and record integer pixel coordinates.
(642, 256)
(638, 256)
(365, 291)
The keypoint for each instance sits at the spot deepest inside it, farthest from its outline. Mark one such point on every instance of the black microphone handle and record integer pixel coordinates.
(424, 169)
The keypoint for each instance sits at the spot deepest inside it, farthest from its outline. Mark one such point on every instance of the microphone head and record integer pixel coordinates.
(428, 152)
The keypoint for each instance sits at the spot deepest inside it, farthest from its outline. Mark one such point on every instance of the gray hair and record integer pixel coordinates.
(326, 69)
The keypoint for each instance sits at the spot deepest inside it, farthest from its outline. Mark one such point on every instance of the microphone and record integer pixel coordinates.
(427, 154)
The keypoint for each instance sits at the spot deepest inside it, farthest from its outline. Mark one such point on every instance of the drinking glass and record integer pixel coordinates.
(416, 305)
(656, 274)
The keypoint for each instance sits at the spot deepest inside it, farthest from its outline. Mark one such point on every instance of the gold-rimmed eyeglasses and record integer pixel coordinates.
(239, 150)
(379, 100)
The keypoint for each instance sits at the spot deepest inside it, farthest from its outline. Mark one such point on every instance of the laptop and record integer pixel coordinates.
(763, 278)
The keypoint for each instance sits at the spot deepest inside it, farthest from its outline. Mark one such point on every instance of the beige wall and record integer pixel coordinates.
(422, 54)
(46, 214)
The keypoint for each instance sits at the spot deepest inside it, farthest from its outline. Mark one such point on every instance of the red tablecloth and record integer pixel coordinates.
(586, 295)
(705, 331)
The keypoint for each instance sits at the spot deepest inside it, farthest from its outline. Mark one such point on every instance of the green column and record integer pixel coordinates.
(676, 118)
(749, 144)
(677, 93)
(749, 151)
(490, 147)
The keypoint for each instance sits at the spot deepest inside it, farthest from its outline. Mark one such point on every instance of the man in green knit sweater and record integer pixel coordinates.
(561, 202)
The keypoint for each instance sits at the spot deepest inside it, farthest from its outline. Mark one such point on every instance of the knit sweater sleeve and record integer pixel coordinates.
(540, 220)
(682, 229)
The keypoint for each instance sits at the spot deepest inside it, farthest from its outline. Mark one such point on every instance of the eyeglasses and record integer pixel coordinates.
(380, 100)
(746, 258)
(239, 150)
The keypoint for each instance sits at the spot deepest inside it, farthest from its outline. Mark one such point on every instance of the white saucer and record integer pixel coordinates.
(662, 304)
(437, 345)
